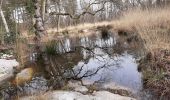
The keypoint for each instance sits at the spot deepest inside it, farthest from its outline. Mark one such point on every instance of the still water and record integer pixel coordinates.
(93, 58)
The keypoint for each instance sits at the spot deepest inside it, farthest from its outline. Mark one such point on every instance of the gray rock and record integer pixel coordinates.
(7, 69)
(69, 95)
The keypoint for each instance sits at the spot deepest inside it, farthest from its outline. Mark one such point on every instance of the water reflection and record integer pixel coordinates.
(120, 70)
(92, 59)
(99, 62)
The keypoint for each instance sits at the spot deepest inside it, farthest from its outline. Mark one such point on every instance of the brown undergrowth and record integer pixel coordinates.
(156, 73)
(153, 27)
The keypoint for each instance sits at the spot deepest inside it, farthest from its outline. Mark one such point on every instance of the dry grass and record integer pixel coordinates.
(156, 72)
(80, 30)
(77, 28)
(152, 25)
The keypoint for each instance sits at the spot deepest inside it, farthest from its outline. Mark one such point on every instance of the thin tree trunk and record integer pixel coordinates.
(58, 22)
(43, 9)
(4, 21)
(3, 18)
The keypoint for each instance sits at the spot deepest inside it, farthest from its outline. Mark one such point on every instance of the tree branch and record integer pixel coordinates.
(84, 12)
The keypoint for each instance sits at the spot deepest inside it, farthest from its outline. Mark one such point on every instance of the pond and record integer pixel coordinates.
(108, 62)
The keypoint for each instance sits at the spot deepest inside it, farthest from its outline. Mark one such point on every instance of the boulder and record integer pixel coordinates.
(77, 86)
(7, 69)
(24, 76)
(70, 95)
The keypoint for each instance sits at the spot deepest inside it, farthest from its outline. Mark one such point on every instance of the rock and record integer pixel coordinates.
(104, 95)
(69, 95)
(77, 86)
(24, 76)
(113, 86)
(7, 69)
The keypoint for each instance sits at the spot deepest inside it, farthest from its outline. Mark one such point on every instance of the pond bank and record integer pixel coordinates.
(156, 73)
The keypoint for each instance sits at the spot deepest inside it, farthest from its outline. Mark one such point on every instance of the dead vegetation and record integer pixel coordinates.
(78, 27)
(156, 73)
(152, 25)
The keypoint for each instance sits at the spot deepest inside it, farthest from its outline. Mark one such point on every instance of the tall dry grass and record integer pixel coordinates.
(152, 25)
(79, 27)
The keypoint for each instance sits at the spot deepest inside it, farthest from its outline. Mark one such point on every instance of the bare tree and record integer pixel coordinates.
(4, 20)
(71, 11)
(43, 9)
(39, 25)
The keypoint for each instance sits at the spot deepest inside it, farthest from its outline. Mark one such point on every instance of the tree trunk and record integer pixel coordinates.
(4, 22)
(158, 3)
(43, 9)
(58, 21)
(40, 31)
